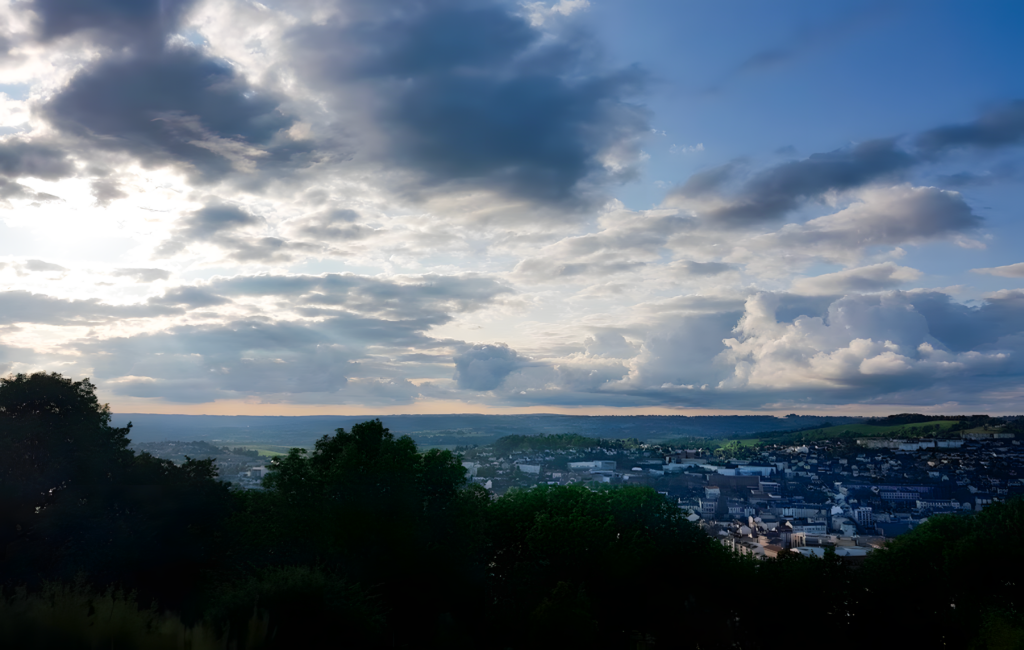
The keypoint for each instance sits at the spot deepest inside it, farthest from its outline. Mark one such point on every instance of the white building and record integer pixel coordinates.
(593, 464)
(528, 469)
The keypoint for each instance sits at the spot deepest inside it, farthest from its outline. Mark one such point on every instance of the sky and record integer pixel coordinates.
(581, 206)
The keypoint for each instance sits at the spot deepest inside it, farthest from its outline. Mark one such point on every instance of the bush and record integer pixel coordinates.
(295, 607)
(68, 617)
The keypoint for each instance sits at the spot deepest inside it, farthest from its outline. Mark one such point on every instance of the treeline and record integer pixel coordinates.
(366, 542)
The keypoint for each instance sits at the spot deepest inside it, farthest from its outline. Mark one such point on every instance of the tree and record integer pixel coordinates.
(600, 555)
(77, 500)
(368, 507)
(56, 438)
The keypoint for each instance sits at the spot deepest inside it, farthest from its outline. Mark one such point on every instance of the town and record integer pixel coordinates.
(849, 495)
(846, 495)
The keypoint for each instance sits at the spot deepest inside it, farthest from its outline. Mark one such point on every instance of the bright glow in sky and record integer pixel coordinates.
(396, 206)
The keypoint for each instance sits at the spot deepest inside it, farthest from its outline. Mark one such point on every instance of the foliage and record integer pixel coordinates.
(596, 557)
(541, 443)
(736, 449)
(68, 617)
(953, 574)
(78, 500)
(56, 439)
(297, 607)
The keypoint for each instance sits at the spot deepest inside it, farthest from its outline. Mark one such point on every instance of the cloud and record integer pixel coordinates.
(705, 269)
(898, 347)
(312, 339)
(485, 367)
(877, 277)
(610, 344)
(541, 12)
(234, 229)
(135, 20)
(26, 158)
(1001, 127)
(466, 97)
(142, 275)
(26, 307)
(39, 266)
(880, 216)
(208, 224)
(20, 157)
(707, 182)
(1000, 172)
(1008, 271)
(176, 106)
(775, 191)
(241, 358)
(431, 297)
(867, 346)
(106, 192)
(11, 190)
(190, 297)
(634, 241)
(687, 149)
(337, 226)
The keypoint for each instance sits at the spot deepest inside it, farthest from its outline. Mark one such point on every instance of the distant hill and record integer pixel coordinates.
(429, 430)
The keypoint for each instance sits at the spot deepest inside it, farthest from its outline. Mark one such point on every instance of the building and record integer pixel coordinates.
(593, 464)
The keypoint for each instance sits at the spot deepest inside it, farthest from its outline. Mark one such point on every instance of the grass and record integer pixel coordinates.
(856, 431)
(271, 453)
(868, 430)
(749, 442)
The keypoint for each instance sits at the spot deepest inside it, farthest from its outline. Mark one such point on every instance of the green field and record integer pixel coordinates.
(859, 431)
(271, 451)
(749, 442)
(873, 431)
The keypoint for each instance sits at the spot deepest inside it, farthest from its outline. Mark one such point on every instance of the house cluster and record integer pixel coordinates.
(848, 495)
(865, 494)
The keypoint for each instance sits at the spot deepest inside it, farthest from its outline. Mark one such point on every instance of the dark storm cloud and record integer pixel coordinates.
(25, 307)
(773, 192)
(485, 367)
(122, 20)
(1001, 127)
(40, 160)
(143, 275)
(469, 97)
(175, 106)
